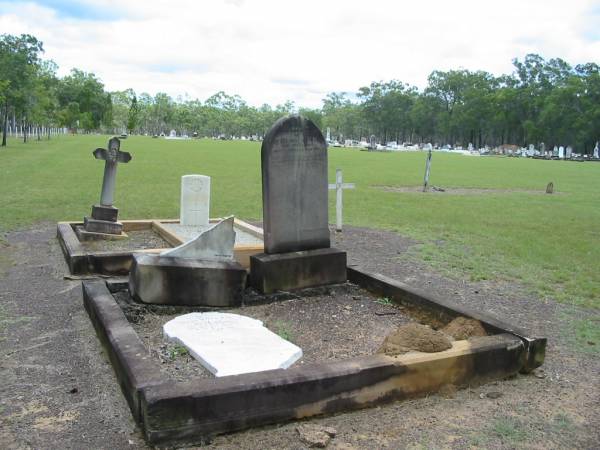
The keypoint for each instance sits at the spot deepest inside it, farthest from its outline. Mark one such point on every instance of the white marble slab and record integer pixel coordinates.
(214, 244)
(187, 233)
(231, 344)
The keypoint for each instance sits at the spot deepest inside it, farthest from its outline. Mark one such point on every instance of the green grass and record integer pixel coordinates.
(548, 243)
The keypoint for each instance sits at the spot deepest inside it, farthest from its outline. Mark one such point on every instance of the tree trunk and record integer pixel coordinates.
(4, 124)
(24, 128)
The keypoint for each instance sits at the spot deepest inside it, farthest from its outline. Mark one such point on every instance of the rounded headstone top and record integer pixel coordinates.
(290, 124)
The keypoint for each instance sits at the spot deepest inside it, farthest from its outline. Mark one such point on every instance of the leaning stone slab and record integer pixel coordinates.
(231, 344)
(215, 244)
(170, 280)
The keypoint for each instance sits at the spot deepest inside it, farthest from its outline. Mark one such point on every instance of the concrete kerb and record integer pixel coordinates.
(179, 412)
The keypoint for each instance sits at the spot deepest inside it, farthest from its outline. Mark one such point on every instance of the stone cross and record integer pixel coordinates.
(294, 186)
(339, 186)
(112, 155)
(195, 200)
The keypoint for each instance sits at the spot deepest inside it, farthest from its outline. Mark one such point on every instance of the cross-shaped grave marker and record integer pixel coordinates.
(112, 155)
(339, 186)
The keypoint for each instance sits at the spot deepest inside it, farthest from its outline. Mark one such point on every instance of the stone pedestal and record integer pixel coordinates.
(170, 280)
(296, 270)
(102, 226)
(102, 212)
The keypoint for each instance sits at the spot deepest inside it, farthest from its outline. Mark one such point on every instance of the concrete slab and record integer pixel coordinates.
(231, 344)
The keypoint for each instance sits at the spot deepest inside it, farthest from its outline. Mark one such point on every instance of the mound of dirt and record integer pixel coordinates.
(414, 336)
(464, 328)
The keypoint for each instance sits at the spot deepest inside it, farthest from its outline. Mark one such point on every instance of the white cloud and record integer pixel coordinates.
(271, 51)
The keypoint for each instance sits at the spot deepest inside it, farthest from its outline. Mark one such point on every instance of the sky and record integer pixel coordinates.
(270, 51)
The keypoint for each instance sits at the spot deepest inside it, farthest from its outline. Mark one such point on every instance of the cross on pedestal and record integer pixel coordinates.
(112, 155)
(339, 186)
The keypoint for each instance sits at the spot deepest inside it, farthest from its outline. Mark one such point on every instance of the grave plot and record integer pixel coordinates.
(114, 257)
(175, 400)
(365, 338)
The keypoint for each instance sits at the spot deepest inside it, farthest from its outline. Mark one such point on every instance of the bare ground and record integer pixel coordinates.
(58, 389)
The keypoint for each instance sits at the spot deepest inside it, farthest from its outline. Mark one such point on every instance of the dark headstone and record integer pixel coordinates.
(102, 226)
(294, 177)
(550, 188)
(170, 280)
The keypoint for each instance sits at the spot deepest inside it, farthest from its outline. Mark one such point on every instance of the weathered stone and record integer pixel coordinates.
(103, 212)
(295, 270)
(231, 344)
(214, 244)
(316, 436)
(179, 281)
(102, 226)
(195, 200)
(111, 155)
(294, 183)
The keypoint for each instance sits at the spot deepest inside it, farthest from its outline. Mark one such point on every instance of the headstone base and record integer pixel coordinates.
(297, 270)
(102, 226)
(168, 280)
(92, 236)
(102, 212)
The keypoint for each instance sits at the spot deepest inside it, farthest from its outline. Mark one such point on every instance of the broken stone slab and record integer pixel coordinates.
(214, 244)
(170, 280)
(231, 344)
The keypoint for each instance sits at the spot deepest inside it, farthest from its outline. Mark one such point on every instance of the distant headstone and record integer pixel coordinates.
(195, 200)
(597, 151)
(172, 133)
(550, 188)
(542, 148)
(328, 134)
(568, 152)
(555, 151)
(372, 142)
(470, 147)
(294, 179)
(231, 344)
(561, 152)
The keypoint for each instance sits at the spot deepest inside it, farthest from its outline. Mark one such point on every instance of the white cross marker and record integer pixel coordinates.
(339, 186)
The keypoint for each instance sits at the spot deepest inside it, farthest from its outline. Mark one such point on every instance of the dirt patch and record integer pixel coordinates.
(328, 324)
(458, 191)
(464, 328)
(414, 337)
(555, 408)
(136, 240)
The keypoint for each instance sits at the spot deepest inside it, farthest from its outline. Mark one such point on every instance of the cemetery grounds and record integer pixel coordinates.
(492, 240)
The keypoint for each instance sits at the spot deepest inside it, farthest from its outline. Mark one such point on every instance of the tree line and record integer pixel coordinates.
(543, 100)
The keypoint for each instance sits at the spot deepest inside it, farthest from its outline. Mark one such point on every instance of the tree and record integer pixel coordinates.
(132, 117)
(19, 59)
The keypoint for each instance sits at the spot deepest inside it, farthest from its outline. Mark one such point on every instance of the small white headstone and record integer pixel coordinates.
(195, 200)
(230, 344)
(596, 151)
(561, 152)
(172, 134)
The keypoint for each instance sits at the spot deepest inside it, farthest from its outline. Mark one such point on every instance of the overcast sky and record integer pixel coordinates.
(272, 51)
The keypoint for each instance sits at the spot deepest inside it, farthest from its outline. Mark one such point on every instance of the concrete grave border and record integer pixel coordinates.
(171, 412)
(117, 263)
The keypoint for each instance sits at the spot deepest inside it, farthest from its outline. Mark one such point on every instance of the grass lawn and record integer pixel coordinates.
(549, 243)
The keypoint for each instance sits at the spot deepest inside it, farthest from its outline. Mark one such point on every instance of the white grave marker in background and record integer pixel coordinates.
(338, 187)
(195, 200)
(230, 344)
